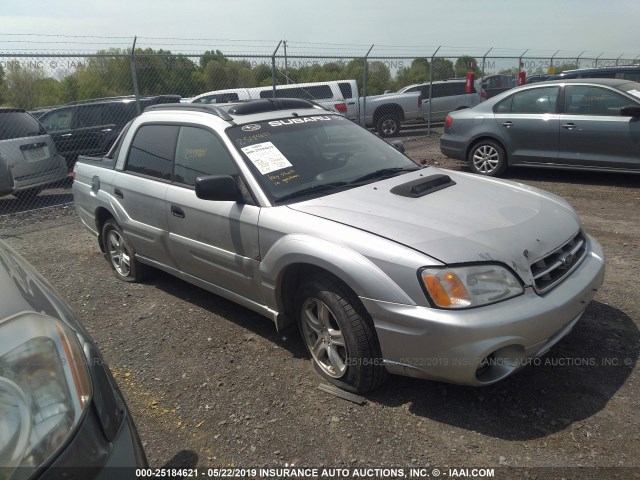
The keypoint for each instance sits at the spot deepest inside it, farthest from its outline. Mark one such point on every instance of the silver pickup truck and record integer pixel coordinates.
(307, 218)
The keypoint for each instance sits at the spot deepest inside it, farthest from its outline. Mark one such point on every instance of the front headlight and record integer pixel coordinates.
(469, 286)
(45, 388)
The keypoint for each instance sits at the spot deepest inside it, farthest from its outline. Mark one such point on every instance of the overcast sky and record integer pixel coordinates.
(343, 27)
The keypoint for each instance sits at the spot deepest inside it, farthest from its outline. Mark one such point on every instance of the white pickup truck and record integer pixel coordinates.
(385, 113)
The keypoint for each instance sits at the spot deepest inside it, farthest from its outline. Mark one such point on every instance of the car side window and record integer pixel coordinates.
(58, 120)
(89, 116)
(439, 90)
(535, 100)
(200, 152)
(503, 106)
(152, 151)
(590, 100)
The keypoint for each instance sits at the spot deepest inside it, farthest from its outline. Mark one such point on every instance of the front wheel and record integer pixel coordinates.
(339, 334)
(121, 255)
(388, 125)
(487, 158)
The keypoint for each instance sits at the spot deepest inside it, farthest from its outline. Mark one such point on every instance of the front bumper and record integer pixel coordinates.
(451, 345)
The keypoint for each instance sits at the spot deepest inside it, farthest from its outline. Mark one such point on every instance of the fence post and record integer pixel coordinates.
(596, 65)
(520, 61)
(362, 117)
(134, 75)
(551, 67)
(430, 90)
(273, 68)
(617, 59)
(578, 60)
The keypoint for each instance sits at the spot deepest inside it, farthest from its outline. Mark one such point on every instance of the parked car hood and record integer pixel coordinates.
(477, 219)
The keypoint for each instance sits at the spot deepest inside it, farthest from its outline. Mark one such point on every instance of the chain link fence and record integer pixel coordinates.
(82, 101)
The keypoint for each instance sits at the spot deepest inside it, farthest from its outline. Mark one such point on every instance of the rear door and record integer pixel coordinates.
(528, 124)
(140, 190)
(215, 241)
(349, 93)
(592, 131)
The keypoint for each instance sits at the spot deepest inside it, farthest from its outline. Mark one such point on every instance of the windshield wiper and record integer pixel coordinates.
(383, 173)
(312, 189)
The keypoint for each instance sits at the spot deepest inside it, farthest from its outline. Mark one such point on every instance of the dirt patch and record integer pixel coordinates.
(211, 383)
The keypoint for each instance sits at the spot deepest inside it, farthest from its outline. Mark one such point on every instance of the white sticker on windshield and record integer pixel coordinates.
(266, 157)
(635, 93)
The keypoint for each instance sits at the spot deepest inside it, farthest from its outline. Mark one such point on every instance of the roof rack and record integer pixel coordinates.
(242, 107)
(194, 107)
(271, 105)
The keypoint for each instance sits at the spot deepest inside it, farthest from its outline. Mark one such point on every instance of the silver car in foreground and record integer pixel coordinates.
(305, 217)
(585, 124)
(29, 160)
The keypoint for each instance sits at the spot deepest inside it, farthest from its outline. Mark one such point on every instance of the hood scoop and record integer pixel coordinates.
(423, 186)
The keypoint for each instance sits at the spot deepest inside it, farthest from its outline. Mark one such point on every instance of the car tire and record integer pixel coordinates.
(27, 195)
(487, 158)
(339, 334)
(388, 125)
(121, 255)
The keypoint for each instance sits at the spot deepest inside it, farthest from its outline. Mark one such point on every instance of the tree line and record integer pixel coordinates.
(27, 85)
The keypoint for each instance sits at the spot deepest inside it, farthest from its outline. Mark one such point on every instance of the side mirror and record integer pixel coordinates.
(398, 145)
(630, 111)
(221, 188)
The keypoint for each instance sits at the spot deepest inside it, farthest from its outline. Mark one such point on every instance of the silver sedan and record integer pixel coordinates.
(585, 124)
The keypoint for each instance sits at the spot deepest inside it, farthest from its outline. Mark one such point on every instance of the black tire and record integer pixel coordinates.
(388, 125)
(331, 318)
(487, 158)
(27, 195)
(120, 254)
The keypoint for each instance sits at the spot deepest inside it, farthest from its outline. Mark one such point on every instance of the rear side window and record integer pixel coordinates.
(589, 100)
(200, 152)
(317, 92)
(536, 100)
(345, 89)
(89, 116)
(18, 125)
(152, 151)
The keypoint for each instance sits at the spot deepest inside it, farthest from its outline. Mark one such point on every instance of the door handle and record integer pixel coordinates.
(507, 124)
(66, 135)
(351, 103)
(177, 211)
(107, 130)
(118, 193)
(569, 126)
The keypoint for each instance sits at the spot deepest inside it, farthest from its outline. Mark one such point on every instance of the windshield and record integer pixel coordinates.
(632, 88)
(314, 154)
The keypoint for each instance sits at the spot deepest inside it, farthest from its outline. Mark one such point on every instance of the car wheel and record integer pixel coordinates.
(388, 125)
(339, 334)
(121, 255)
(27, 195)
(487, 158)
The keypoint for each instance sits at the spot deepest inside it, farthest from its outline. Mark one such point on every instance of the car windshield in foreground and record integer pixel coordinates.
(296, 157)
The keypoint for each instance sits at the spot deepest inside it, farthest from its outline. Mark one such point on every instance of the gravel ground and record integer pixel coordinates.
(212, 384)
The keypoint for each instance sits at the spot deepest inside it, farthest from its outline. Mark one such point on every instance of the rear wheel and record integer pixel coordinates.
(487, 158)
(121, 255)
(339, 335)
(388, 125)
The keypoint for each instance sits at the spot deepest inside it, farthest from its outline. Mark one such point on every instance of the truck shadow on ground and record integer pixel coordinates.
(573, 382)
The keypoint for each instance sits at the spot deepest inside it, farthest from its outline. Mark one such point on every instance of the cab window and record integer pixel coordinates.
(198, 153)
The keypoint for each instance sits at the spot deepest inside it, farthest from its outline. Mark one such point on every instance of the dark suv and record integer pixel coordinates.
(626, 72)
(90, 127)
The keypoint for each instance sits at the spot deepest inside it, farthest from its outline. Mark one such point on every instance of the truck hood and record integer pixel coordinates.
(477, 219)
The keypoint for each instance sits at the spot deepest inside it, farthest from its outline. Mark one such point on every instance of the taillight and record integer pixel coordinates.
(448, 121)
(484, 95)
(341, 107)
(73, 175)
(420, 101)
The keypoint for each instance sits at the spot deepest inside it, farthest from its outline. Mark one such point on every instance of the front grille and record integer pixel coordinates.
(551, 269)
